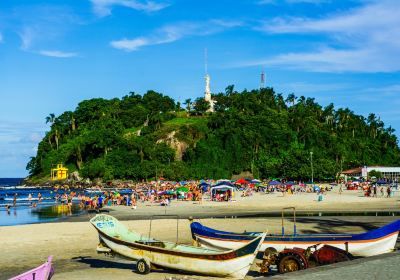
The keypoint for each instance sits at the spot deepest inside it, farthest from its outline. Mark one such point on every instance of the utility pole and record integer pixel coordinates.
(312, 170)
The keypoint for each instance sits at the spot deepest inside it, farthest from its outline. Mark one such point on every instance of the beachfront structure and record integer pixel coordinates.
(59, 173)
(391, 173)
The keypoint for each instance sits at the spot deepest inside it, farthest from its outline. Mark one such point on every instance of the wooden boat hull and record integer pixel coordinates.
(232, 263)
(375, 242)
(42, 272)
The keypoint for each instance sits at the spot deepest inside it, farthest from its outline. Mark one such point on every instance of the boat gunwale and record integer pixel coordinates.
(369, 236)
(224, 255)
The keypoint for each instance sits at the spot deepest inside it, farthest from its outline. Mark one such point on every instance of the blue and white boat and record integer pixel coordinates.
(374, 242)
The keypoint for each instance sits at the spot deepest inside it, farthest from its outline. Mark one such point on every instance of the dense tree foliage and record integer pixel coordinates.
(140, 137)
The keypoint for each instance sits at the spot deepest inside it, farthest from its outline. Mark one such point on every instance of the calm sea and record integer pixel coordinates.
(47, 210)
(8, 182)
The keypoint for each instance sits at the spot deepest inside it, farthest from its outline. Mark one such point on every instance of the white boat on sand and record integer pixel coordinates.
(116, 238)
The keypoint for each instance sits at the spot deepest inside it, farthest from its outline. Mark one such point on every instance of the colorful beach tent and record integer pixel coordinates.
(223, 188)
(255, 181)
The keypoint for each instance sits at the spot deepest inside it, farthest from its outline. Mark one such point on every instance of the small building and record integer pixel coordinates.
(59, 173)
(390, 173)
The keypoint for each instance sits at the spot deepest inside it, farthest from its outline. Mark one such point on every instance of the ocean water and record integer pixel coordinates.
(23, 213)
(6, 182)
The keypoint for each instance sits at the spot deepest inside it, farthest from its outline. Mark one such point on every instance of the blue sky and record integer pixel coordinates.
(53, 54)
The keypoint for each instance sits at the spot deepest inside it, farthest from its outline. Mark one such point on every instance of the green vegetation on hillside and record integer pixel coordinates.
(140, 137)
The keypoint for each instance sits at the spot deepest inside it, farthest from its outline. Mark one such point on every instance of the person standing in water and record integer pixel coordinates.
(15, 200)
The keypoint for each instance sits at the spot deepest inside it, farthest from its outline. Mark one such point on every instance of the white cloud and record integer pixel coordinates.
(27, 35)
(366, 39)
(333, 60)
(103, 7)
(129, 45)
(59, 54)
(172, 33)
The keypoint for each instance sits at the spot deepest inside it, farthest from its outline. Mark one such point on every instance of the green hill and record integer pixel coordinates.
(138, 137)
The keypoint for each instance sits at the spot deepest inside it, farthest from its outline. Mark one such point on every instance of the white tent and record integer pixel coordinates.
(223, 188)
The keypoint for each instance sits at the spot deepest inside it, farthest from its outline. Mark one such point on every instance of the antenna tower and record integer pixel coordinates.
(262, 79)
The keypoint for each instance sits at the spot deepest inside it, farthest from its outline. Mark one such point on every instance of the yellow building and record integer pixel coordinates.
(59, 173)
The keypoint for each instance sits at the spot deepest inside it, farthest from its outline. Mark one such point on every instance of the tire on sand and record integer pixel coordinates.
(142, 267)
(290, 262)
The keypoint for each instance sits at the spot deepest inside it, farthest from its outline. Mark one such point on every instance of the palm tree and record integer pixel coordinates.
(50, 118)
(291, 98)
(188, 103)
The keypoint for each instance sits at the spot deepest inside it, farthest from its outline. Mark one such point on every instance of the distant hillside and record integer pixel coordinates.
(140, 137)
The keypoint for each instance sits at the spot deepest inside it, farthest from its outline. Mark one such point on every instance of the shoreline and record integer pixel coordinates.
(349, 203)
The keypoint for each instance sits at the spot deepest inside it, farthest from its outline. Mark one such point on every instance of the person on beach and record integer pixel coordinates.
(133, 201)
(382, 192)
(69, 202)
(340, 188)
(388, 191)
(30, 197)
(100, 200)
(15, 200)
(39, 197)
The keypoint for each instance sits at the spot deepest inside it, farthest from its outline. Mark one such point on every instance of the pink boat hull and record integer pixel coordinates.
(42, 272)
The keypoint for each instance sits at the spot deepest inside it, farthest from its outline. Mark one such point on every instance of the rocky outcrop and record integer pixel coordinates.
(179, 146)
(75, 176)
(244, 174)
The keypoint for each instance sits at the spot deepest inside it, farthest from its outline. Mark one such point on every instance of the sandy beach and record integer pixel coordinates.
(260, 204)
(73, 242)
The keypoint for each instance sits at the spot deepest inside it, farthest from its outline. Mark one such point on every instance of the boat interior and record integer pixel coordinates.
(121, 232)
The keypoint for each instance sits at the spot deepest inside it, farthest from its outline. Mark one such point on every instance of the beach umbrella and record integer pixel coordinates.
(274, 183)
(224, 183)
(241, 181)
(381, 182)
(182, 189)
(255, 181)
